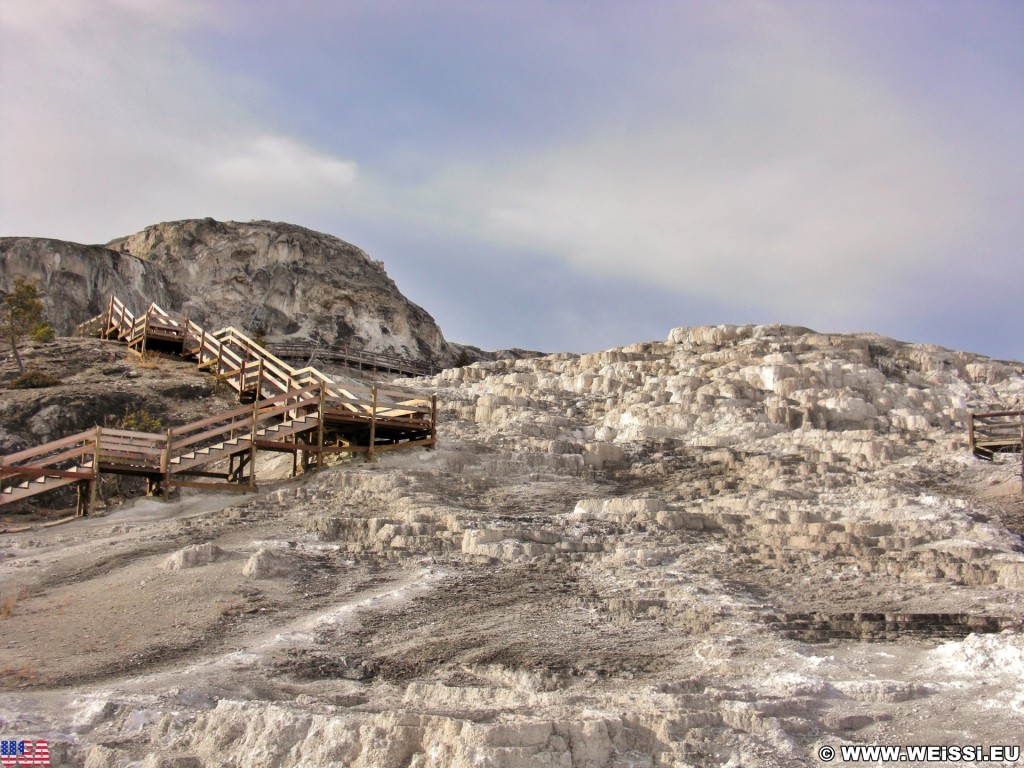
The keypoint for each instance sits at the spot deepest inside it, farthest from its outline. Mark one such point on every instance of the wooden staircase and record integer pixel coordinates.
(303, 412)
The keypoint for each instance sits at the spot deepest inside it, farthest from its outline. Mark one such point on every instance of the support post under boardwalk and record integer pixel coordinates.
(95, 484)
(320, 431)
(252, 442)
(433, 422)
(373, 425)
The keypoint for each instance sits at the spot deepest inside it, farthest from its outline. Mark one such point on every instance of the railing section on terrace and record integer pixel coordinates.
(996, 432)
(358, 358)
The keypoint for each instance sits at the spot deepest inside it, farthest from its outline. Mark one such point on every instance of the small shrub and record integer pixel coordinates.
(258, 333)
(43, 333)
(32, 379)
(139, 421)
(7, 603)
(220, 383)
(148, 360)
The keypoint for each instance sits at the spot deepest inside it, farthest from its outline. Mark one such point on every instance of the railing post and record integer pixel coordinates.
(320, 431)
(94, 486)
(165, 463)
(109, 318)
(252, 443)
(145, 332)
(373, 424)
(970, 431)
(433, 421)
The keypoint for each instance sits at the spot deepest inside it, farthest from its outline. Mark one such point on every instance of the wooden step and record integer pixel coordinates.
(37, 485)
(209, 455)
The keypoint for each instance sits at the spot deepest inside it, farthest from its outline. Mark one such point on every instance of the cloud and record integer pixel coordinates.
(802, 183)
(111, 123)
(281, 164)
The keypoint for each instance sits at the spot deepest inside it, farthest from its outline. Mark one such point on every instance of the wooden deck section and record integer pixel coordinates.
(302, 412)
(996, 432)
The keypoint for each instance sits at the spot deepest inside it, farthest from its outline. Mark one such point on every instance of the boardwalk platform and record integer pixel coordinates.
(298, 411)
(996, 432)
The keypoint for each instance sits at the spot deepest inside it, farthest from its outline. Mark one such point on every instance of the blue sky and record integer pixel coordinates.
(556, 175)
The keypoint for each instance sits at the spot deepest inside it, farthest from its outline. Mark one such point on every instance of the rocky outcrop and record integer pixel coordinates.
(286, 281)
(75, 281)
(278, 279)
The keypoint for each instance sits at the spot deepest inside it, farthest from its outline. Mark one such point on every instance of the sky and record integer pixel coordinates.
(560, 176)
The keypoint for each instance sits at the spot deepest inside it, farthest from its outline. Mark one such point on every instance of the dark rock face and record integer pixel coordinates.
(279, 279)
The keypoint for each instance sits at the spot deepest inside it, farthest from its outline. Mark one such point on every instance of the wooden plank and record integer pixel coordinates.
(245, 409)
(132, 433)
(29, 453)
(124, 444)
(242, 425)
(34, 472)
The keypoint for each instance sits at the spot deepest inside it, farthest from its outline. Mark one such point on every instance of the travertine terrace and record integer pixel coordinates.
(730, 548)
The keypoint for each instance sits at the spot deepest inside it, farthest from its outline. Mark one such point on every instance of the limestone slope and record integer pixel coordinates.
(732, 548)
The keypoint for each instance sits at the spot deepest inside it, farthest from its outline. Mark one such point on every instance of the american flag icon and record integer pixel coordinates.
(24, 753)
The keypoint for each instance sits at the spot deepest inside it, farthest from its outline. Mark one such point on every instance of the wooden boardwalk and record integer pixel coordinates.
(997, 432)
(302, 412)
(353, 358)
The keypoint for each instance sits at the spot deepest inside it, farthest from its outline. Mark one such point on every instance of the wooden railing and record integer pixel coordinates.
(66, 457)
(358, 358)
(117, 321)
(291, 410)
(996, 432)
(245, 364)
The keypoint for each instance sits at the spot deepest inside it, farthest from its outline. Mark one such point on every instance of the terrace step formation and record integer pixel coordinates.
(302, 412)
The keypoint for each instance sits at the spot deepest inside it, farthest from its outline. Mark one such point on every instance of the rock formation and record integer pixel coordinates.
(278, 279)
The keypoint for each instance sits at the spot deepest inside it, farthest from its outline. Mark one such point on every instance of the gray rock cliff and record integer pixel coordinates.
(281, 279)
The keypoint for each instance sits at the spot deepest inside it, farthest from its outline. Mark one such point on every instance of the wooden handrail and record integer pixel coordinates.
(46, 448)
